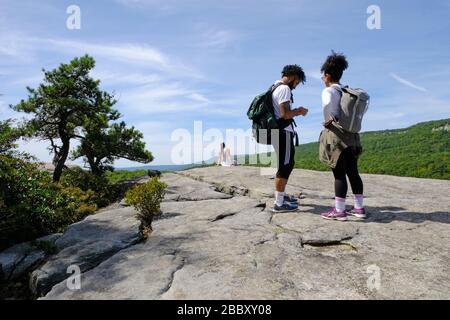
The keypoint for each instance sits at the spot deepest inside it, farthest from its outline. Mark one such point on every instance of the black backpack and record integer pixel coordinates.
(261, 112)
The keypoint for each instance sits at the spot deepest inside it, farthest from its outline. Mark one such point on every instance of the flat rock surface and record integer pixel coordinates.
(218, 239)
(86, 244)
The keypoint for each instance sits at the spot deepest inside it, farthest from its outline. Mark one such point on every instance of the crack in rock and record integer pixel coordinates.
(223, 216)
(229, 214)
(261, 205)
(172, 275)
(319, 243)
(15, 265)
(284, 229)
(273, 238)
(231, 190)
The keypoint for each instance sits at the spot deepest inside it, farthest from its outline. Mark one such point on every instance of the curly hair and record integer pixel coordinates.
(334, 65)
(294, 70)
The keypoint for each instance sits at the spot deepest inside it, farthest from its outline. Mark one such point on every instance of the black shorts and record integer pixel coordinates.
(285, 151)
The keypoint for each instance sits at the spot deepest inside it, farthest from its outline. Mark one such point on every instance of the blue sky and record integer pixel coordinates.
(171, 63)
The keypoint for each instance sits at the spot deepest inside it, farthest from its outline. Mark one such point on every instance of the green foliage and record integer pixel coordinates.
(118, 176)
(417, 151)
(7, 137)
(421, 151)
(105, 143)
(146, 199)
(47, 246)
(67, 100)
(100, 190)
(31, 205)
(9, 134)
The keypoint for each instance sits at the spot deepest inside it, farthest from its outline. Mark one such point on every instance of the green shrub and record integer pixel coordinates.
(31, 205)
(146, 199)
(104, 192)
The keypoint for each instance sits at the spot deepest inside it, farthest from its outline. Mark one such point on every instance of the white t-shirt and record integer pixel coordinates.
(331, 101)
(279, 96)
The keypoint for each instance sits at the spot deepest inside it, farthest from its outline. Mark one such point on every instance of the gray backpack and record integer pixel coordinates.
(354, 104)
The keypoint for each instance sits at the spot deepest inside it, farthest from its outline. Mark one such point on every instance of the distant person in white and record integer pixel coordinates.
(224, 159)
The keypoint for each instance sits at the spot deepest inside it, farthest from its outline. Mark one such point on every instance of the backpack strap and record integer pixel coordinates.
(274, 86)
(272, 89)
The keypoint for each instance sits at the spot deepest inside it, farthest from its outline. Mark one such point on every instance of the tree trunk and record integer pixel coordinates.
(64, 152)
(93, 164)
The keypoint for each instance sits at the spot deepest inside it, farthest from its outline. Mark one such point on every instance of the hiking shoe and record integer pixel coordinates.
(290, 199)
(333, 214)
(286, 207)
(359, 213)
(293, 204)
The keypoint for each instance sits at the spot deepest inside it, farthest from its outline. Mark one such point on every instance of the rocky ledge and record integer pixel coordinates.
(218, 239)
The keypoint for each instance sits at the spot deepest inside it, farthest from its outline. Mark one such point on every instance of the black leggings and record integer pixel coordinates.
(347, 165)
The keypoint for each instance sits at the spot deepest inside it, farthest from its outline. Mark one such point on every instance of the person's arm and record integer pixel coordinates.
(331, 102)
(287, 113)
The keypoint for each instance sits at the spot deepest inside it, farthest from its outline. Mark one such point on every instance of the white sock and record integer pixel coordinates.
(279, 198)
(359, 199)
(339, 204)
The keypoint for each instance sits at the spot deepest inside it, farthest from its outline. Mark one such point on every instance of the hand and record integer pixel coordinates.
(301, 111)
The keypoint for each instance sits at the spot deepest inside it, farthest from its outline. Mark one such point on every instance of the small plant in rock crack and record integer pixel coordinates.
(146, 199)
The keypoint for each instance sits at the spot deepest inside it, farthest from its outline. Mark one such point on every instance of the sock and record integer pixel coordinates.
(339, 204)
(359, 201)
(279, 198)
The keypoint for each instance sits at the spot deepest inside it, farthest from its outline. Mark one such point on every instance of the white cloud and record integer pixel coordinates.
(124, 52)
(214, 37)
(407, 83)
(23, 48)
(199, 97)
(114, 78)
(33, 80)
(162, 98)
(218, 38)
(15, 46)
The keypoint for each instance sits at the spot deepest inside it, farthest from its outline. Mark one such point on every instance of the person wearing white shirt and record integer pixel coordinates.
(292, 76)
(224, 159)
(332, 139)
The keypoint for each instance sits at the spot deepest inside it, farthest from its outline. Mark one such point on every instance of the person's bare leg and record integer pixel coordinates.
(280, 184)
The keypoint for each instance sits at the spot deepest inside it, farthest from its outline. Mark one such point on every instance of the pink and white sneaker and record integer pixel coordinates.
(359, 213)
(333, 214)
